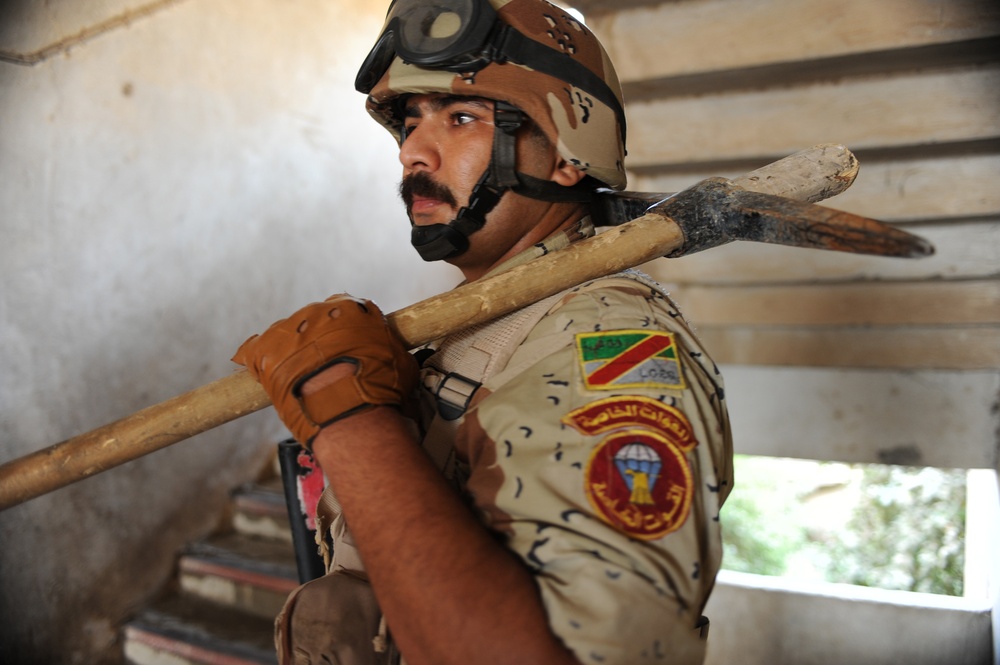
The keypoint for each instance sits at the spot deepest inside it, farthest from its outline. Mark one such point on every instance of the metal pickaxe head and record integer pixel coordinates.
(715, 212)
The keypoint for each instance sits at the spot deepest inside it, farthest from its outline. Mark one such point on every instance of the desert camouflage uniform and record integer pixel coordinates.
(624, 569)
(624, 574)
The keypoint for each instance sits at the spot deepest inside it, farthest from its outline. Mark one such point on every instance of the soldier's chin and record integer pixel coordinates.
(426, 219)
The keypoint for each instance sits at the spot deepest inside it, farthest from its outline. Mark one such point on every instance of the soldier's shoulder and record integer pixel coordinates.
(624, 297)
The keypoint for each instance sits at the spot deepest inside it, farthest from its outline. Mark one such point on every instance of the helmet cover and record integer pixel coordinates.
(585, 131)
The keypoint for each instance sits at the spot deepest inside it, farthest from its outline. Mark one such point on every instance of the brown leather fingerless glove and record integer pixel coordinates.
(342, 329)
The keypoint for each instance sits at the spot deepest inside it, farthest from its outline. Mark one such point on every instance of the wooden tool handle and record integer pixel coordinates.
(809, 175)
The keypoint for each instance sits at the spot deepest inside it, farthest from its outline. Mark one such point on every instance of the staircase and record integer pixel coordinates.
(229, 588)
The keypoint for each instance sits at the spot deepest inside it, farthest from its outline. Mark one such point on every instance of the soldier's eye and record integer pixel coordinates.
(462, 118)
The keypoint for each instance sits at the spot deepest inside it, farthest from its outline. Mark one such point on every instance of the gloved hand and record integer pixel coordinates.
(342, 329)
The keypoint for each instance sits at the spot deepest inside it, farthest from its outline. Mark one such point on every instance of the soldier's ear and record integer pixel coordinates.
(566, 174)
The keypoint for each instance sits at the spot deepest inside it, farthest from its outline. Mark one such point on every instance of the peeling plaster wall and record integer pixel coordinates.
(168, 187)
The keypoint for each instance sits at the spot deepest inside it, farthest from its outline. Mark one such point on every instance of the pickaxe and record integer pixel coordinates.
(772, 204)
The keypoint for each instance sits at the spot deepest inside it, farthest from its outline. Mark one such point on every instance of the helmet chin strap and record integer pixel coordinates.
(436, 242)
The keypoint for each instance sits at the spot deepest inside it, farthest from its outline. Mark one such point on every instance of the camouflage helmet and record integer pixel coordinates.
(556, 72)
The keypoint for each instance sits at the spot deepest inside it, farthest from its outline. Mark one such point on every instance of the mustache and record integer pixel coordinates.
(421, 184)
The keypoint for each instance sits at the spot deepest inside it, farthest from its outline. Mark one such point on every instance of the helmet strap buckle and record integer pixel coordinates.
(507, 119)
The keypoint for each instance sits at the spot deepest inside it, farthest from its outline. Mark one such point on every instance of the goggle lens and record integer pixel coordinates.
(376, 64)
(427, 33)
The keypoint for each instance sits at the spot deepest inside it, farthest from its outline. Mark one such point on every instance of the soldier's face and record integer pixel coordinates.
(449, 141)
(447, 147)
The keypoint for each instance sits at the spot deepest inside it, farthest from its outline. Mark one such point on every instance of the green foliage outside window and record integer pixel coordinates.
(872, 525)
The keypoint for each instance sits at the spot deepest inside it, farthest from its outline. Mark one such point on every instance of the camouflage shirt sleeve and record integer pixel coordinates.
(602, 456)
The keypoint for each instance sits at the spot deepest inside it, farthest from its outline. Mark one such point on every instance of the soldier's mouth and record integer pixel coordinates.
(420, 192)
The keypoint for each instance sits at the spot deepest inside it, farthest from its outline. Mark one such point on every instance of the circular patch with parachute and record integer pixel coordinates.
(640, 482)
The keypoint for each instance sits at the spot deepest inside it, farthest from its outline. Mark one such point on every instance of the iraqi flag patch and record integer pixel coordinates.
(629, 359)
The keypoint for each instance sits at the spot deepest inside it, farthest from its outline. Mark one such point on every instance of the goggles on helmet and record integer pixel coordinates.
(466, 36)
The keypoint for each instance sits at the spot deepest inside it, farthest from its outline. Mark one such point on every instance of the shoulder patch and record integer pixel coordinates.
(638, 479)
(619, 359)
(611, 413)
(640, 484)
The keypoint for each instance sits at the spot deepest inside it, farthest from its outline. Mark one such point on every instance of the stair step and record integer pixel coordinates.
(249, 574)
(185, 631)
(259, 510)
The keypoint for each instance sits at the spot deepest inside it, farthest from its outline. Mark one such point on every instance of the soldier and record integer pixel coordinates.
(552, 495)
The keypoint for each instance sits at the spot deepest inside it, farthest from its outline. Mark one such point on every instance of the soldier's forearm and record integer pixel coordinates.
(449, 591)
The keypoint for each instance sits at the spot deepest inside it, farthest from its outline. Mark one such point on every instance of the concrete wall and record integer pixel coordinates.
(169, 185)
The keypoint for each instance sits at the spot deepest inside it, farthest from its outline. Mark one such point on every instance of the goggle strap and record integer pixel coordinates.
(527, 51)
